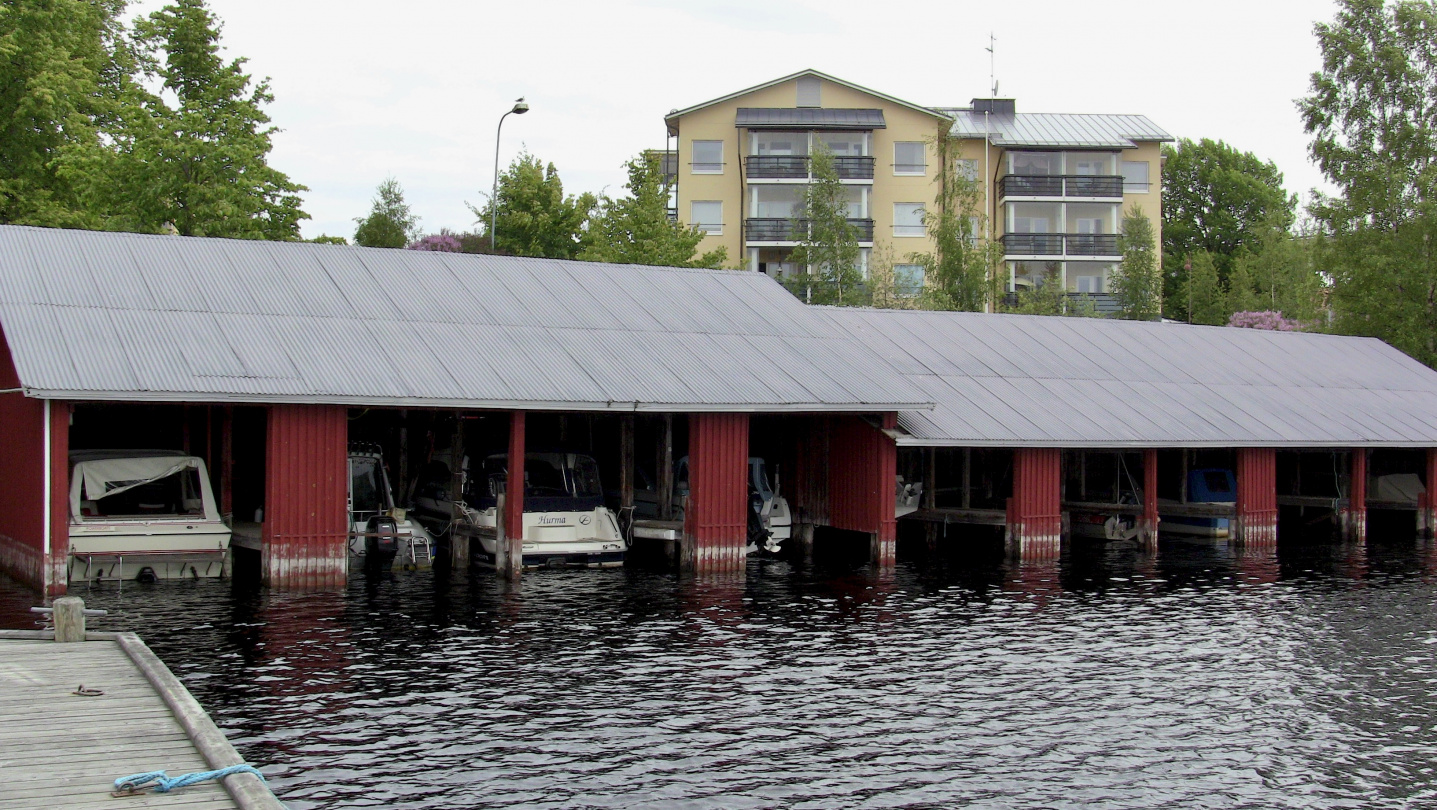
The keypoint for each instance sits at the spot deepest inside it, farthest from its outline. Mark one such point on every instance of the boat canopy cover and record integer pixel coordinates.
(97, 478)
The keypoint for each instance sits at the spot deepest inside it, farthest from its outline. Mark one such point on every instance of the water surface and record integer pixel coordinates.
(1196, 677)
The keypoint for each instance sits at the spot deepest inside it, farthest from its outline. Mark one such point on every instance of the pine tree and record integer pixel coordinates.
(1203, 296)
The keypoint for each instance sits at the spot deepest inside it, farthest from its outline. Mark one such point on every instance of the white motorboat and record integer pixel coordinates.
(143, 514)
(381, 533)
(565, 521)
(773, 520)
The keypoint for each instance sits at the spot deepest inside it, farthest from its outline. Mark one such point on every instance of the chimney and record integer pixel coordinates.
(996, 106)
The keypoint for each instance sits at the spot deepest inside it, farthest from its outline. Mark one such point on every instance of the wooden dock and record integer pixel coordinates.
(63, 750)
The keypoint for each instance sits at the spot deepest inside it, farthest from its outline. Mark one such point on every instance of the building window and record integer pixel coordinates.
(707, 216)
(966, 168)
(1088, 277)
(1091, 163)
(908, 219)
(1135, 177)
(708, 157)
(780, 143)
(844, 144)
(810, 89)
(975, 231)
(909, 157)
(907, 280)
(1035, 164)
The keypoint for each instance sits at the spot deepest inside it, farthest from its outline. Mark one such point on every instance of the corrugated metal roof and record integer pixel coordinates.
(815, 117)
(107, 316)
(1016, 380)
(1093, 131)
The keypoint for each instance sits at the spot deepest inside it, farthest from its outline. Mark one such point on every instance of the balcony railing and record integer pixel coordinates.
(796, 167)
(1054, 244)
(768, 229)
(1072, 185)
(1105, 304)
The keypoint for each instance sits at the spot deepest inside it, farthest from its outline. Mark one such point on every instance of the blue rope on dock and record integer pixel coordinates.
(164, 784)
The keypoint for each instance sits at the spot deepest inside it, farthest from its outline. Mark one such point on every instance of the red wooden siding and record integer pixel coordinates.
(57, 573)
(514, 482)
(1257, 495)
(1035, 512)
(1150, 498)
(306, 530)
(1427, 501)
(1356, 518)
(22, 479)
(715, 523)
(862, 471)
(806, 486)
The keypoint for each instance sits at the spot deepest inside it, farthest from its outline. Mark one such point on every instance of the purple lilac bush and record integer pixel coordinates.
(438, 243)
(1265, 319)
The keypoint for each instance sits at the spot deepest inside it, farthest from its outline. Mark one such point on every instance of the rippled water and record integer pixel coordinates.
(1197, 677)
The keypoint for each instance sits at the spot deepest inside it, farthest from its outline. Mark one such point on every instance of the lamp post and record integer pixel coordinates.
(520, 107)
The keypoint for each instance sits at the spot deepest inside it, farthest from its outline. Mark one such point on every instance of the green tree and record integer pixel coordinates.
(1284, 275)
(1220, 201)
(829, 244)
(64, 68)
(1370, 115)
(1203, 298)
(201, 163)
(1050, 298)
(637, 229)
(1242, 294)
(390, 223)
(534, 216)
(1137, 281)
(964, 262)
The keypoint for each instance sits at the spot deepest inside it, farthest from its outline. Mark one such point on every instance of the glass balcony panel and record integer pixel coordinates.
(843, 144)
(1031, 275)
(1088, 277)
(1092, 163)
(1035, 164)
(777, 201)
(780, 143)
(1035, 217)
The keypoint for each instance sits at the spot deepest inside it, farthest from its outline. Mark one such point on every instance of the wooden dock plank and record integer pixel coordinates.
(58, 749)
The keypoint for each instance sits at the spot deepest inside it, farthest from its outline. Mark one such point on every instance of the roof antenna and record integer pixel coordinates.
(992, 81)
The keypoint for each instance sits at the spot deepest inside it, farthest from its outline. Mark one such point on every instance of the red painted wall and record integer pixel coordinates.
(1035, 512)
(862, 470)
(1257, 495)
(1357, 495)
(57, 575)
(806, 477)
(306, 532)
(22, 479)
(716, 522)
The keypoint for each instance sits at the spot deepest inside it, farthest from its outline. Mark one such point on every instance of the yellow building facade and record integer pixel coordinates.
(1054, 186)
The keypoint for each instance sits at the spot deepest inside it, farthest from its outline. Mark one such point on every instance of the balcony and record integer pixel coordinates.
(1060, 244)
(1105, 304)
(795, 167)
(765, 229)
(1071, 185)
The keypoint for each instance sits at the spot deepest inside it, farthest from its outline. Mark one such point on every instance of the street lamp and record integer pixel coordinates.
(520, 107)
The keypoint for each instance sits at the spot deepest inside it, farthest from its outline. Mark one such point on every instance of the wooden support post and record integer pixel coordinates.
(626, 461)
(1427, 501)
(1149, 534)
(304, 542)
(715, 517)
(227, 462)
(403, 466)
(69, 616)
(458, 542)
(666, 469)
(967, 478)
(1183, 483)
(1354, 518)
(512, 542)
(1256, 522)
(1035, 516)
(185, 428)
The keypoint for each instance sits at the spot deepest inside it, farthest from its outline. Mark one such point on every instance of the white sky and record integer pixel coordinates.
(366, 89)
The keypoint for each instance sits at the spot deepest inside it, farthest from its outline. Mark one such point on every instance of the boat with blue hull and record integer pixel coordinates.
(1212, 485)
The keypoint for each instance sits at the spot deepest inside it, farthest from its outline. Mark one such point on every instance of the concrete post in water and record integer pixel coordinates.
(1256, 521)
(1354, 517)
(1149, 533)
(1035, 514)
(458, 543)
(69, 615)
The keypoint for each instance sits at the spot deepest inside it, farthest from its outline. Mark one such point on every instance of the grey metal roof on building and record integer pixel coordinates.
(1092, 131)
(808, 117)
(1032, 381)
(107, 316)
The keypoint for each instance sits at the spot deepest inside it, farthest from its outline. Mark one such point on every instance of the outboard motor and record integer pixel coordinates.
(757, 534)
(381, 541)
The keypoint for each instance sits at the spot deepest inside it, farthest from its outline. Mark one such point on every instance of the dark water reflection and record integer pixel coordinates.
(1199, 677)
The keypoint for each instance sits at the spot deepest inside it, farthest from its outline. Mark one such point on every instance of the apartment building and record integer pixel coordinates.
(1054, 186)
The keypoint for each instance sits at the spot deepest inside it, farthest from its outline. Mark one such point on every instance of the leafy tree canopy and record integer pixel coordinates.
(637, 229)
(828, 245)
(1136, 282)
(534, 216)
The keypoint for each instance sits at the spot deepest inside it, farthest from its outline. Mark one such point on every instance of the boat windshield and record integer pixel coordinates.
(758, 478)
(174, 495)
(549, 475)
(366, 493)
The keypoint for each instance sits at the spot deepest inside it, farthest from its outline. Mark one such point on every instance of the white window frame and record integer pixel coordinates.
(1137, 188)
(905, 230)
(708, 228)
(966, 168)
(923, 150)
(693, 159)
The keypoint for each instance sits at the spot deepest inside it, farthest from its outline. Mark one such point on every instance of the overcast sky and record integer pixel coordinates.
(366, 90)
